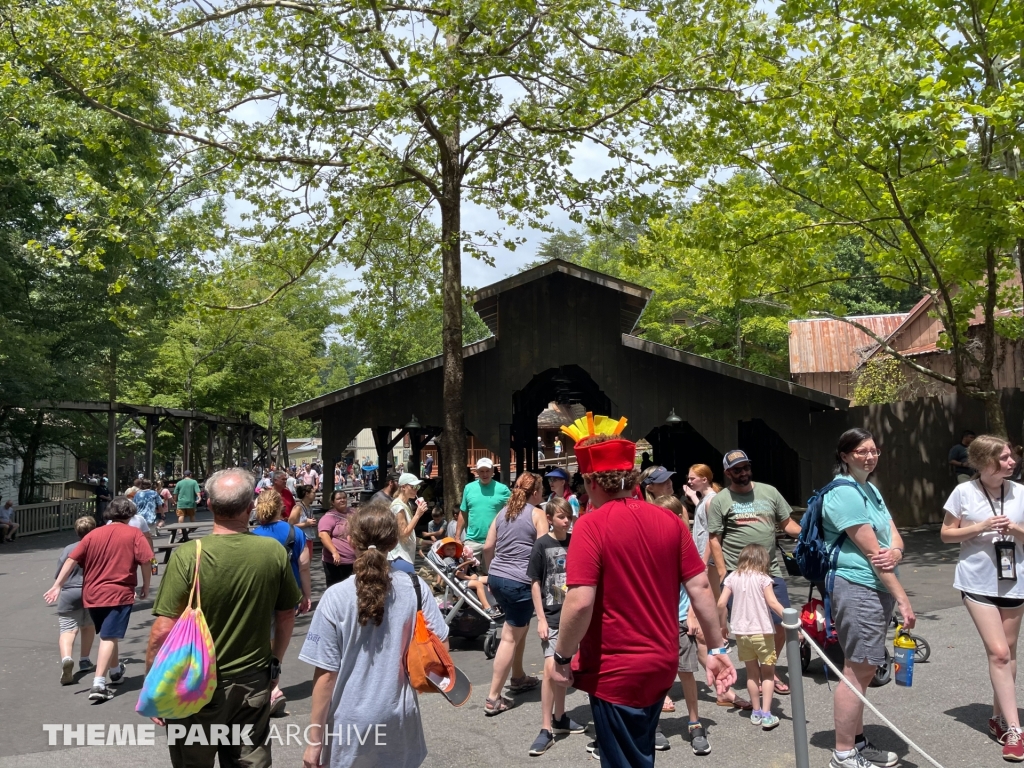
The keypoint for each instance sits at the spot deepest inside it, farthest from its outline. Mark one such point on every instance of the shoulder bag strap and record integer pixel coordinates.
(416, 586)
(195, 579)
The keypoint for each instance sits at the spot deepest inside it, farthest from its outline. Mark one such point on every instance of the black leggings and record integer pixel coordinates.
(335, 573)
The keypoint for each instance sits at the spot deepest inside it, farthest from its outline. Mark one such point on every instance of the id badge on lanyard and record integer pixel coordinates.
(1005, 549)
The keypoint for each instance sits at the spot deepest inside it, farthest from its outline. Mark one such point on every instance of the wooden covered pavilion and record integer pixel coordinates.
(564, 334)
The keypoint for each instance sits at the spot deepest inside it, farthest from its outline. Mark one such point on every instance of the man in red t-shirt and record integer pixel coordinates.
(623, 570)
(109, 557)
(280, 484)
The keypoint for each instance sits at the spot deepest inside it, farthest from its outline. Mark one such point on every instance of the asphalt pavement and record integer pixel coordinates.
(945, 711)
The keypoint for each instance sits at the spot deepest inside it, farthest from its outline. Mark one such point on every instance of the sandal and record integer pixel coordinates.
(668, 705)
(737, 703)
(492, 708)
(781, 688)
(523, 684)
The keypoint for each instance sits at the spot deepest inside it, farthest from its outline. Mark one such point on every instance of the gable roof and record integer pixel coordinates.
(634, 299)
(824, 345)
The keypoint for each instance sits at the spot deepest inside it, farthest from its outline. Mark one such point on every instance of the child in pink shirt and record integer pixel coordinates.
(750, 587)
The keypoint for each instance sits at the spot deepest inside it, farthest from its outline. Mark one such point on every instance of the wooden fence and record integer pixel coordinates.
(52, 516)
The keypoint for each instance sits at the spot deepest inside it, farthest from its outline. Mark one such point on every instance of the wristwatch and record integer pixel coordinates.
(562, 660)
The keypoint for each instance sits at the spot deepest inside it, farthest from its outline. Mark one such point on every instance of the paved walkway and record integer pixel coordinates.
(945, 711)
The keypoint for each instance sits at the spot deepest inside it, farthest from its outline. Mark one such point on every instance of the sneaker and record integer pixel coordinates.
(699, 740)
(853, 761)
(116, 674)
(566, 725)
(542, 743)
(277, 707)
(880, 757)
(84, 665)
(755, 717)
(592, 749)
(769, 721)
(67, 671)
(661, 741)
(997, 726)
(1013, 745)
(100, 693)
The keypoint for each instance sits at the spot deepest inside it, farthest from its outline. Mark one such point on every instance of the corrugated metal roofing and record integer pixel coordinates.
(831, 346)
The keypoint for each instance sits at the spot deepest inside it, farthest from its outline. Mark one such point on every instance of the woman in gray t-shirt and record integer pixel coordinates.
(358, 640)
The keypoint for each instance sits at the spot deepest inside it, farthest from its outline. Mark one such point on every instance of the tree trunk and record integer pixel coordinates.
(270, 433)
(27, 481)
(990, 340)
(454, 423)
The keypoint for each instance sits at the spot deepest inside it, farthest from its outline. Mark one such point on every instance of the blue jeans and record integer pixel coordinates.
(625, 735)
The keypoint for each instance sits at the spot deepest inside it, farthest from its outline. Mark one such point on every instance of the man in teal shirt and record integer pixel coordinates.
(186, 495)
(481, 501)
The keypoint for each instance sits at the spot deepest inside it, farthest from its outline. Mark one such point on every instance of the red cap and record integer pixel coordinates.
(608, 456)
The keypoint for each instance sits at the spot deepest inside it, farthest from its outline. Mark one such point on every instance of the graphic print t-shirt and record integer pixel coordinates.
(547, 566)
(748, 518)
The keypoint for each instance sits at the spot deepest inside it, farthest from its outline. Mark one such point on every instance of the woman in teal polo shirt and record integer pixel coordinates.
(865, 592)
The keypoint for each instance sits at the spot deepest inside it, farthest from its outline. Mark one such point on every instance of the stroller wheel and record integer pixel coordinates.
(923, 649)
(805, 656)
(884, 672)
(490, 645)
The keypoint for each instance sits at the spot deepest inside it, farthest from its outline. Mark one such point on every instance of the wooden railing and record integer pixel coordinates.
(52, 516)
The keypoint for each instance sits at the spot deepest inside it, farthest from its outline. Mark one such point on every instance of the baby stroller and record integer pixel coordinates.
(461, 608)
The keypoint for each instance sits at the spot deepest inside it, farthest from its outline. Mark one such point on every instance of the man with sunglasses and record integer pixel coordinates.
(748, 513)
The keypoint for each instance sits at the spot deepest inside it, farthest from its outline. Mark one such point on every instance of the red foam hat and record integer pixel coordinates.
(608, 456)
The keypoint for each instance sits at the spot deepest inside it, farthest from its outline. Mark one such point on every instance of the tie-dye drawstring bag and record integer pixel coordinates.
(184, 674)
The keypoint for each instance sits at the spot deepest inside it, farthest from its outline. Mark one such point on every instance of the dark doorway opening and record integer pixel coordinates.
(567, 385)
(679, 447)
(774, 462)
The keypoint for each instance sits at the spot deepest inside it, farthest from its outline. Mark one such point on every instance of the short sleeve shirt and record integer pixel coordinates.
(750, 613)
(547, 567)
(481, 503)
(637, 555)
(110, 557)
(187, 491)
(845, 507)
(245, 578)
(959, 453)
(748, 518)
(337, 526)
(279, 532)
(373, 688)
(976, 570)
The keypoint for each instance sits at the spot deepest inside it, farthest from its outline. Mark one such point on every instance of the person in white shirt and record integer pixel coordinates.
(8, 528)
(986, 517)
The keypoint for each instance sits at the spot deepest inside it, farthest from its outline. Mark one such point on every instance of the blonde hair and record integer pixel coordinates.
(754, 557)
(269, 505)
(703, 470)
(84, 524)
(985, 450)
(671, 503)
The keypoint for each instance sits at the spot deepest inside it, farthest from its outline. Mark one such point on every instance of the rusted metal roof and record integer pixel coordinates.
(832, 346)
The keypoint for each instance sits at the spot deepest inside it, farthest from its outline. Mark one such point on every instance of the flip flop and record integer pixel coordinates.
(737, 703)
(781, 688)
(668, 705)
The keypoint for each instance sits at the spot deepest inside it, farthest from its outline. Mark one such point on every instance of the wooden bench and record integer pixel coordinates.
(166, 548)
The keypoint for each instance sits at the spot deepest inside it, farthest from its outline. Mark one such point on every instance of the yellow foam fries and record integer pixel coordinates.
(589, 425)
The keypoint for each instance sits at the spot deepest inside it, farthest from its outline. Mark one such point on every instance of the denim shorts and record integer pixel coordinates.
(515, 599)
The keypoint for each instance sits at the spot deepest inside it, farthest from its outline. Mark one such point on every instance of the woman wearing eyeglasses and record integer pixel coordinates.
(865, 590)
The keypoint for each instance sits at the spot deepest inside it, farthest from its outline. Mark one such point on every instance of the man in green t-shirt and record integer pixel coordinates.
(748, 513)
(481, 501)
(246, 579)
(186, 496)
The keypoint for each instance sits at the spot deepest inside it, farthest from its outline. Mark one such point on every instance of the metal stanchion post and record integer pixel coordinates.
(791, 621)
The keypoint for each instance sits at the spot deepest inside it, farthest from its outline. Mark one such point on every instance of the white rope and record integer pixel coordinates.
(867, 703)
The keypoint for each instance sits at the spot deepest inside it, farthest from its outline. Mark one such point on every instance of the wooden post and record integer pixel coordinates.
(505, 452)
(380, 440)
(186, 444)
(211, 431)
(150, 429)
(112, 448)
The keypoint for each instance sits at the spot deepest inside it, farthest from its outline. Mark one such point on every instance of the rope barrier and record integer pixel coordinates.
(868, 704)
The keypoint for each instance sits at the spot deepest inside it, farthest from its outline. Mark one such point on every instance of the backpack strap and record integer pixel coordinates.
(419, 595)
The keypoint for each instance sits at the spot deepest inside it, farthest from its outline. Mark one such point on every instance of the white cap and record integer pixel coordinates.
(485, 463)
(407, 478)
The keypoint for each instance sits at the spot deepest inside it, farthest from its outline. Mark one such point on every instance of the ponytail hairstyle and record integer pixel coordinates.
(269, 505)
(703, 470)
(373, 532)
(526, 485)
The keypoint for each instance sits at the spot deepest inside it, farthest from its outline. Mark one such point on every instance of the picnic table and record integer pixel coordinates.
(186, 530)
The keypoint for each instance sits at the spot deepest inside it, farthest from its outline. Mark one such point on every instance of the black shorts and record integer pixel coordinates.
(999, 602)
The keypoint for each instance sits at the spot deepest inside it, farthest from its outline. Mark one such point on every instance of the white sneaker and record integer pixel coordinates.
(67, 671)
(116, 674)
(856, 760)
(878, 757)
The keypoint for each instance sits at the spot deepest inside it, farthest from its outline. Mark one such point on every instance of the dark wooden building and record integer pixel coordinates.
(564, 334)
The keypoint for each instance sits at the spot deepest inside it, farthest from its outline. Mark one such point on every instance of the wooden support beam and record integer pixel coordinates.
(152, 422)
(112, 450)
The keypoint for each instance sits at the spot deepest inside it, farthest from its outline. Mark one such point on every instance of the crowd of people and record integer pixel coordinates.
(634, 579)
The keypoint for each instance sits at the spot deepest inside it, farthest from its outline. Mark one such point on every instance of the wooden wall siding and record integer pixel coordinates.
(830, 346)
(838, 383)
(915, 437)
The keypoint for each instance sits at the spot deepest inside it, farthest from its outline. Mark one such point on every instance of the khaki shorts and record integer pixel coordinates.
(687, 650)
(759, 648)
(189, 513)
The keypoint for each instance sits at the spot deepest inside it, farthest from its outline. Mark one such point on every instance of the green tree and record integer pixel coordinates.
(308, 110)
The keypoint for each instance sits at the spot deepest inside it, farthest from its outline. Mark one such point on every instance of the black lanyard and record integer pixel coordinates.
(1002, 496)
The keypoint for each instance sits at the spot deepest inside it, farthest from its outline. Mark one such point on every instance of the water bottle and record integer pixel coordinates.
(904, 648)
